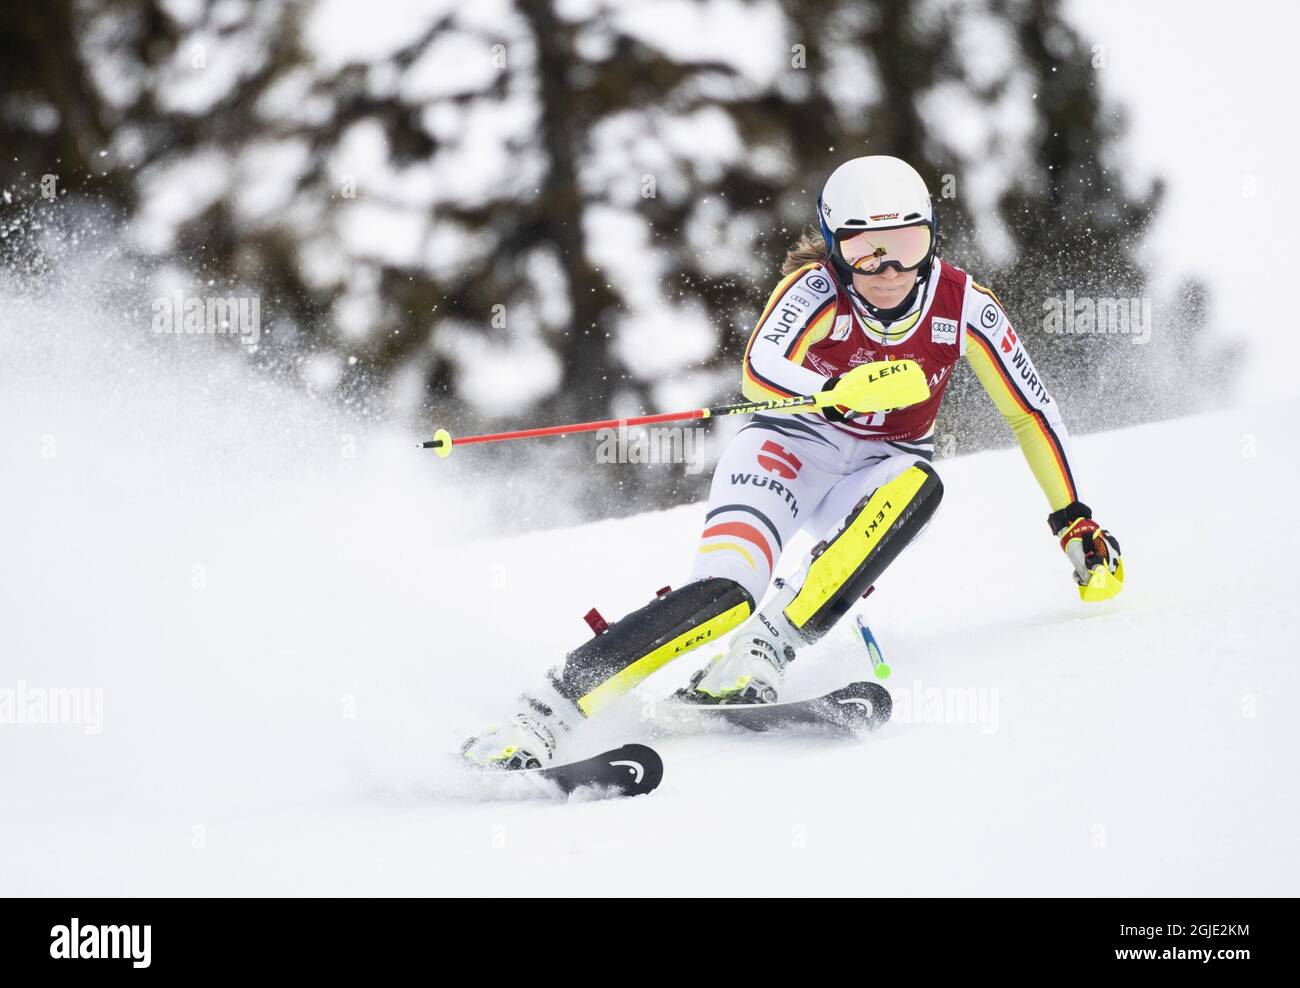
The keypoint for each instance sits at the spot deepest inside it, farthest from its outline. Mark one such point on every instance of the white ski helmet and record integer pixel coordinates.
(875, 192)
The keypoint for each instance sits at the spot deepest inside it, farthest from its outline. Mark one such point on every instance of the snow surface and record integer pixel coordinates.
(295, 618)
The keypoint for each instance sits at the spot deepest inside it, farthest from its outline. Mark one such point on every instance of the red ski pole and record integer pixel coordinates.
(889, 384)
(442, 440)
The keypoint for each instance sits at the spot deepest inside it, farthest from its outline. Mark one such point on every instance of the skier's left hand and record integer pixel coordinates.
(1093, 551)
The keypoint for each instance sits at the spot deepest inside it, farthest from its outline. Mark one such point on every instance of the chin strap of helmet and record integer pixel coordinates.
(887, 316)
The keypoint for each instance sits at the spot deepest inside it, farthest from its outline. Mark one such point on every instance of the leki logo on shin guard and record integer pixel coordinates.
(776, 459)
(707, 633)
(880, 516)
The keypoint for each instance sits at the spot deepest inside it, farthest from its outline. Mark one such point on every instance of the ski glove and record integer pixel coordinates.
(1093, 551)
(873, 387)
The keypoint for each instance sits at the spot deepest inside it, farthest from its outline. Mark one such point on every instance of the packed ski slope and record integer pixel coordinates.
(294, 619)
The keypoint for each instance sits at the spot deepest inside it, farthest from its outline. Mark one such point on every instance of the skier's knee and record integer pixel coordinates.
(741, 543)
(731, 567)
(623, 654)
(875, 532)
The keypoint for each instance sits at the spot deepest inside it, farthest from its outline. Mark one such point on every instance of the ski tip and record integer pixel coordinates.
(629, 770)
(644, 767)
(863, 706)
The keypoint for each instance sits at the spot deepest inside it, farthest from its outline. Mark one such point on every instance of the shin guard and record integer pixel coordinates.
(633, 647)
(877, 530)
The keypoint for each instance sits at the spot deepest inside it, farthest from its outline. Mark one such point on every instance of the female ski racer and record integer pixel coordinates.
(869, 289)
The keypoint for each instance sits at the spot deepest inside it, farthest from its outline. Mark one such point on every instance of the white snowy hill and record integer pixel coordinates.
(293, 620)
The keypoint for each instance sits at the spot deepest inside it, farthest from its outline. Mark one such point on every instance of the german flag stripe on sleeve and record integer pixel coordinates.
(750, 374)
(765, 388)
(1036, 434)
(780, 339)
(989, 292)
(819, 325)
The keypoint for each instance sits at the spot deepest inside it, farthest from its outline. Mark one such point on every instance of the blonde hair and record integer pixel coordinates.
(808, 248)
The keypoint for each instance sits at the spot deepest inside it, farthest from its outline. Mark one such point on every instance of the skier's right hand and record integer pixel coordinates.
(875, 387)
(839, 413)
(836, 413)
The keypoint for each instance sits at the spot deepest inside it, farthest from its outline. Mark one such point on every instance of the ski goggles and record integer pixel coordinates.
(904, 247)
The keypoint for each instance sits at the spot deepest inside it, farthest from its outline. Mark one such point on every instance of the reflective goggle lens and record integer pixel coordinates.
(870, 250)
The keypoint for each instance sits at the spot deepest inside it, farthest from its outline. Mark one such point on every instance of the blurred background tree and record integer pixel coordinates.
(512, 211)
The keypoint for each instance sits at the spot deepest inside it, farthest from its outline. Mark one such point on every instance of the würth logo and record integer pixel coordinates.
(77, 942)
(776, 459)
